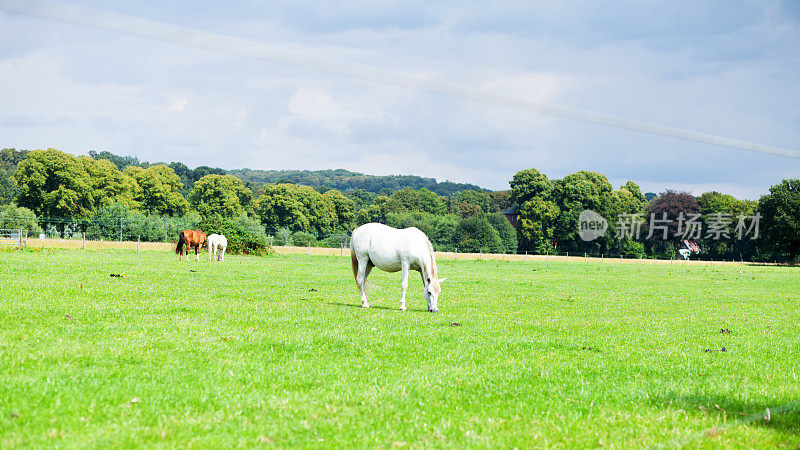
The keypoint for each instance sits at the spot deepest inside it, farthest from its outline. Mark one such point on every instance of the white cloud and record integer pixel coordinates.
(731, 74)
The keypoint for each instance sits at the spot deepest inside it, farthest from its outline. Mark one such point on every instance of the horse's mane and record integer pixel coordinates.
(434, 271)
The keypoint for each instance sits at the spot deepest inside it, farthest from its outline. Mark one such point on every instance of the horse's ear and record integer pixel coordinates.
(441, 280)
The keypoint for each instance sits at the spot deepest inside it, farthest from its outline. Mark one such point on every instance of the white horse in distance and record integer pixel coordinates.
(217, 244)
(392, 250)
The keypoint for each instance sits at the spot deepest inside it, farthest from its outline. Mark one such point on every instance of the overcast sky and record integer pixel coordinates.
(728, 68)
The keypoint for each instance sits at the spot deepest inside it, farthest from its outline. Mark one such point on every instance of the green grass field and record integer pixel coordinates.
(245, 353)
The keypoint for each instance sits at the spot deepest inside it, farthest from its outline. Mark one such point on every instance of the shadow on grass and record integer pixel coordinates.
(353, 305)
(784, 415)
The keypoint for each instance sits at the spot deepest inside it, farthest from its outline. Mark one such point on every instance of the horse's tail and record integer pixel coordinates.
(181, 243)
(354, 261)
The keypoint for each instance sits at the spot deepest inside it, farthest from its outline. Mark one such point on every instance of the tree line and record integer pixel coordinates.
(109, 195)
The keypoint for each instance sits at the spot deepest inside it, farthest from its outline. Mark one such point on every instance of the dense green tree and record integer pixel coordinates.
(9, 159)
(780, 222)
(223, 195)
(500, 201)
(628, 199)
(476, 234)
(347, 181)
(537, 224)
(299, 208)
(573, 194)
(468, 210)
(361, 198)
(345, 209)
(109, 185)
(409, 200)
(373, 213)
(480, 199)
(121, 162)
(725, 207)
(278, 208)
(508, 235)
(54, 184)
(158, 190)
(443, 236)
(529, 183)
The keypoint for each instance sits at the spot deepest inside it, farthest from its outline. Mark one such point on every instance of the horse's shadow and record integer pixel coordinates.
(387, 308)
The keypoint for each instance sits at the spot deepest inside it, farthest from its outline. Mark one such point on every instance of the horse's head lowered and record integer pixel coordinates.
(433, 287)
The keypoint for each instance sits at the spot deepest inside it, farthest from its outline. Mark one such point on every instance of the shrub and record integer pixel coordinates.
(283, 237)
(335, 241)
(16, 218)
(303, 239)
(243, 234)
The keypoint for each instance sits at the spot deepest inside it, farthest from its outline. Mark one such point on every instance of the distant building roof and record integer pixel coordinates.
(513, 210)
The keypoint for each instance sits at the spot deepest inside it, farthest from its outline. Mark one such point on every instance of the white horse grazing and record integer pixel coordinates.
(217, 243)
(390, 249)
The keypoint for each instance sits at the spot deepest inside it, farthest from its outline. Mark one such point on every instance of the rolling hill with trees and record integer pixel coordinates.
(345, 180)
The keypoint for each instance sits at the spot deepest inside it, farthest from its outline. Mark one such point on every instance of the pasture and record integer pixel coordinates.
(277, 351)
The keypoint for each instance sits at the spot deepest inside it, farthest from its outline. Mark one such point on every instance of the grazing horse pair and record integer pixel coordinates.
(188, 239)
(392, 250)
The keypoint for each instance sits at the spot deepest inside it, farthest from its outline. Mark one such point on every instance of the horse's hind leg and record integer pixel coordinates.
(361, 280)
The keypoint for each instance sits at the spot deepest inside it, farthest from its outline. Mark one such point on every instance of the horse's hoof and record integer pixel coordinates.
(433, 310)
(365, 305)
(403, 309)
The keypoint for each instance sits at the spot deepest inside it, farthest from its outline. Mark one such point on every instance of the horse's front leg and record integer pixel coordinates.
(197, 253)
(404, 285)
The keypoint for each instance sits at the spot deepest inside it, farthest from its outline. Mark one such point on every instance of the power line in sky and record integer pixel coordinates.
(230, 45)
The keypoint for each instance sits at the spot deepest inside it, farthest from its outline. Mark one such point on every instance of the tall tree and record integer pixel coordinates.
(9, 159)
(476, 234)
(54, 184)
(158, 190)
(410, 200)
(500, 201)
(299, 208)
(345, 210)
(537, 224)
(109, 185)
(780, 211)
(120, 161)
(223, 195)
(508, 235)
(480, 199)
(529, 183)
(574, 193)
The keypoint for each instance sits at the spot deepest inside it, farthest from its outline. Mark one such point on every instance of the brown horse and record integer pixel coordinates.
(188, 239)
